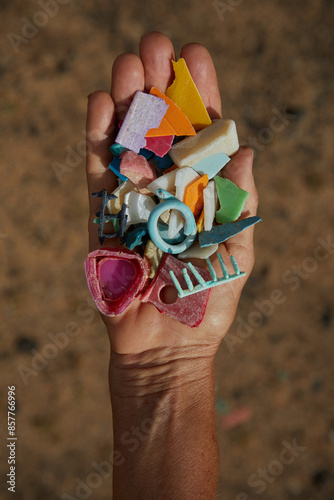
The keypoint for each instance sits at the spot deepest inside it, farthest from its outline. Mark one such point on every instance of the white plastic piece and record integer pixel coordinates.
(184, 177)
(139, 208)
(210, 205)
(196, 251)
(166, 182)
(220, 137)
(115, 205)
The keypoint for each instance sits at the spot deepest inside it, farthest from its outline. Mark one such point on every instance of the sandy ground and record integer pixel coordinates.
(273, 56)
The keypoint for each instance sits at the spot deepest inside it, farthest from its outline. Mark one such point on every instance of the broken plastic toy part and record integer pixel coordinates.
(202, 284)
(190, 230)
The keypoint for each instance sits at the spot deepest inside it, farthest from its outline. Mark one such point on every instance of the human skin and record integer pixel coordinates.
(161, 371)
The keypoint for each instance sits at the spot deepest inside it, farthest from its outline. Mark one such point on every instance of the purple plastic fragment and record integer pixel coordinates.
(146, 112)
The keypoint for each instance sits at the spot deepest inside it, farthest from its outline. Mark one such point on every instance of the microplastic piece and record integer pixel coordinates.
(139, 207)
(211, 165)
(155, 256)
(210, 205)
(138, 170)
(166, 182)
(115, 277)
(174, 119)
(221, 233)
(184, 177)
(117, 150)
(146, 111)
(189, 311)
(115, 204)
(202, 283)
(163, 231)
(193, 196)
(197, 252)
(159, 145)
(115, 166)
(183, 92)
(190, 230)
(164, 162)
(231, 198)
(200, 222)
(146, 153)
(221, 137)
(136, 237)
(103, 218)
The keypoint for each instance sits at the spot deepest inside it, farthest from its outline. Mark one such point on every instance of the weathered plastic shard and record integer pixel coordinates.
(189, 311)
(166, 182)
(154, 255)
(220, 137)
(136, 237)
(231, 198)
(159, 145)
(115, 277)
(197, 252)
(174, 122)
(221, 233)
(210, 205)
(183, 179)
(184, 93)
(139, 207)
(146, 111)
(193, 196)
(136, 168)
(115, 166)
(114, 205)
(212, 164)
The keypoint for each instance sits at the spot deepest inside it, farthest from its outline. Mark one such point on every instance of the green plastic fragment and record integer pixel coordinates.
(231, 198)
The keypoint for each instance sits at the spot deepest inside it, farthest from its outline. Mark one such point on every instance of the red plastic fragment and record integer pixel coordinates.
(159, 145)
(188, 310)
(115, 277)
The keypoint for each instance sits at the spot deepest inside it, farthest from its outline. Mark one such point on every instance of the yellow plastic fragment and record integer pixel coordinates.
(154, 255)
(184, 93)
(200, 222)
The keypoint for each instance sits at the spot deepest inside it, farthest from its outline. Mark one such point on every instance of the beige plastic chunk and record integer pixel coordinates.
(210, 205)
(115, 205)
(197, 252)
(183, 179)
(154, 255)
(220, 137)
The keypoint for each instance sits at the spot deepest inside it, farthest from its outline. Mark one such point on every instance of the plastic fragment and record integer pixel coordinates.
(231, 198)
(115, 166)
(138, 170)
(193, 196)
(103, 218)
(139, 207)
(183, 92)
(174, 120)
(211, 165)
(189, 310)
(210, 205)
(154, 255)
(221, 137)
(136, 237)
(200, 222)
(219, 234)
(166, 182)
(115, 277)
(159, 145)
(115, 204)
(197, 252)
(146, 111)
(117, 150)
(184, 177)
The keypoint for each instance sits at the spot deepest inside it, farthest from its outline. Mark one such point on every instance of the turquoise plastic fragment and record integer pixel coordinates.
(219, 234)
(115, 165)
(163, 230)
(205, 285)
(231, 198)
(212, 164)
(117, 150)
(137, 236)
(190, 229)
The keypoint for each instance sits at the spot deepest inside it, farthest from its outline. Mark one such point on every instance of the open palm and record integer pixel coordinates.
(142, 328)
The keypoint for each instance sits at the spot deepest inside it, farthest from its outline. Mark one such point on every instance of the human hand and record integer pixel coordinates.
(142, 327)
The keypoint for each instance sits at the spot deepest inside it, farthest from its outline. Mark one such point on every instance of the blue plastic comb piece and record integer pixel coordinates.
(202, 284)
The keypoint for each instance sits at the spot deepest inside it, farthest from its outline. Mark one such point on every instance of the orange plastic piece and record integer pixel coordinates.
(200, 222)
(174, 122)
(193, 196)
(170, 169)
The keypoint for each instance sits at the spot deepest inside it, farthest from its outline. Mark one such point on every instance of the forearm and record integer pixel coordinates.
(164, 426)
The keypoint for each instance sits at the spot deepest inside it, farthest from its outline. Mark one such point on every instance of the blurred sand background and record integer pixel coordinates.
(272, 56)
